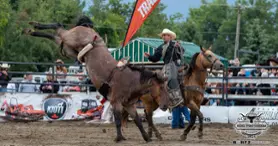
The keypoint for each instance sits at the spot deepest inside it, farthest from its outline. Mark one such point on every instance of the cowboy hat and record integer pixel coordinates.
(5, 65)
(169, 32)
(272, 60)
(59, 61)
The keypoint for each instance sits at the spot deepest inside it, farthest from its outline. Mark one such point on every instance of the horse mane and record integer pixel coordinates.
(145, 74)
(85, 21)
(192, 64)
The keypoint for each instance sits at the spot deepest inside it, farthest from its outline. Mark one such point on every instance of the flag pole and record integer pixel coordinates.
(130, 22)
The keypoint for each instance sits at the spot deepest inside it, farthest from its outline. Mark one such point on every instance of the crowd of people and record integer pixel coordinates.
(51, 83)
(245, 88)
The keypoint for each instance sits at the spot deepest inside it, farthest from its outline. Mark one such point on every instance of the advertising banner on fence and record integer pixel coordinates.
(212, 114)
(266, 113)
(32, 107)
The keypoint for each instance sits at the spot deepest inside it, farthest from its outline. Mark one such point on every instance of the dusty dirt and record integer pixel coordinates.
(80, 133)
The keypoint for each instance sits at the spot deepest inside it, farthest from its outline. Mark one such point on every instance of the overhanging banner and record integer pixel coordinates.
(141, 11)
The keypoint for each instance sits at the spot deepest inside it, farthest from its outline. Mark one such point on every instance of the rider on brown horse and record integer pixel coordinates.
(172, 54)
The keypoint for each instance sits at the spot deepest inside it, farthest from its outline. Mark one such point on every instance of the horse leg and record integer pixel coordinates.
(43, 35)
(117, 110)
(150, 130)
(133, 113)
(193, 115)
(201, 118)
(38, 25)
(149, 115)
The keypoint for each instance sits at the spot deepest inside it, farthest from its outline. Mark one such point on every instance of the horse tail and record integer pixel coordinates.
(61, 48)
(62, 52)
(124, 118)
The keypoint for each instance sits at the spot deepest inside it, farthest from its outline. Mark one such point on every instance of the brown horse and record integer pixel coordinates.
(151, 102)
(194, 86)
(127, 84)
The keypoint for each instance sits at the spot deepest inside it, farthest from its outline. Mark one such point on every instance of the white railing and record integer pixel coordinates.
(245, 80)
(242, 97)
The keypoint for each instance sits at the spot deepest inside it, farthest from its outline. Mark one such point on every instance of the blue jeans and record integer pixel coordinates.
(177, 119)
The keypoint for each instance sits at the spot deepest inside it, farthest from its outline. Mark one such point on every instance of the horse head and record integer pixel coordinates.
(209, 60)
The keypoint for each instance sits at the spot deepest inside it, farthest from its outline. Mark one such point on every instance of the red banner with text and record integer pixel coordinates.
(142, 10)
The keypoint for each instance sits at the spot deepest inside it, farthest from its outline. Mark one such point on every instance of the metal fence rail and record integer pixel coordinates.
(224, 80)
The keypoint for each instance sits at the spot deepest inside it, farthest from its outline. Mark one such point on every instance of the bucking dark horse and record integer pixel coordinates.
(126, 84)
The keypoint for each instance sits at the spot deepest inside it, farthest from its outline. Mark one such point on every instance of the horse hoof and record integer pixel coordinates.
(34, 23)
(119, 139)
(159, 137)
(200, 135)
(148, 140)
(27, 31)
(183, 137)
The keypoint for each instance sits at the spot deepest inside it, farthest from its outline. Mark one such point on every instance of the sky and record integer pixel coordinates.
(175, 6)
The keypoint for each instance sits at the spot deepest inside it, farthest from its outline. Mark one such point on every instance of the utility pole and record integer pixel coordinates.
(237, 31)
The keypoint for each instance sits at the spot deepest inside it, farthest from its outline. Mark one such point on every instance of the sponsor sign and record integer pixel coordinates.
(55, 108)
(268, 113)
(250, 125)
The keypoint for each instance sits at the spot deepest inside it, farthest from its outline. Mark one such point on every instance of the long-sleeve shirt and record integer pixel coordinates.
(28, 87)
(4, 80)
(168, 54)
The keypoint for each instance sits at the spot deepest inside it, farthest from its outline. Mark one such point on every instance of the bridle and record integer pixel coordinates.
(198, 88)
(209, 60)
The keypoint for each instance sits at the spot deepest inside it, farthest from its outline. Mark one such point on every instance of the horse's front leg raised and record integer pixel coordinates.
(52, 37)
(133, 113)
(193, 114)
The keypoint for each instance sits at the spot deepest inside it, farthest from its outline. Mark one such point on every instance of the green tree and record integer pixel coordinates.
(22, 48)
(4, 18)
(256, 40)
(110, 20)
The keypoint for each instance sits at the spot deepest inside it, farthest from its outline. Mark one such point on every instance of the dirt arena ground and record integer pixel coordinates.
(79, 133)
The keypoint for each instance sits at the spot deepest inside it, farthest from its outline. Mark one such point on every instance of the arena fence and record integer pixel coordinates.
(221, 78)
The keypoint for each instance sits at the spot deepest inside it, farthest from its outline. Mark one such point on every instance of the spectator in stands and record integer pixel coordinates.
(4, 77)
(272, 73)
(27, 85)
(48, 87)
(235, 63)
(78, 86)
(265, 91)
(60, 69)
(240, 88)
